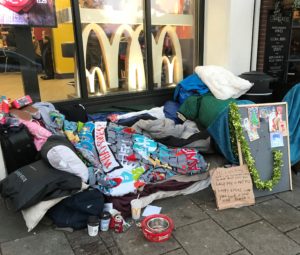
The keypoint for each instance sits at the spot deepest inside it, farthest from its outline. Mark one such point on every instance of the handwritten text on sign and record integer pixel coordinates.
(232, 187)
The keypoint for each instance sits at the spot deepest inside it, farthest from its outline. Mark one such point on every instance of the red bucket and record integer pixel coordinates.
(157, 227)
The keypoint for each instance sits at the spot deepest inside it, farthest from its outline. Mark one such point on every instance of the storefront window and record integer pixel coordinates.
(173, 40)
(112, 57)
(113, 44)
(55, 70)
(11, 84)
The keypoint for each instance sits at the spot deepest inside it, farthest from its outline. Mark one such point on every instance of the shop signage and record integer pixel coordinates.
(277, 44)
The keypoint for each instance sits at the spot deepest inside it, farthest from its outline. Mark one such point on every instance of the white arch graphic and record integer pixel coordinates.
(158, 59)
(90, 75)
(135, 70)
(170, 68)
(110, 50)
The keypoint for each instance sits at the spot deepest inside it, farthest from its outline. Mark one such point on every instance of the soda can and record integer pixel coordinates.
(118, 224)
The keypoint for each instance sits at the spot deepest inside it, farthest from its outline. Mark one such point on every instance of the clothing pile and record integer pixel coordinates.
(128, 155)
(117, 157)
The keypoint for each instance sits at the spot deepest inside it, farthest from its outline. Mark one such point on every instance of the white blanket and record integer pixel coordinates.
(222, 83)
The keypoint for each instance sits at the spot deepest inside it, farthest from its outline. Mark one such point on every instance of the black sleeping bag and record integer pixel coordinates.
(36, 182)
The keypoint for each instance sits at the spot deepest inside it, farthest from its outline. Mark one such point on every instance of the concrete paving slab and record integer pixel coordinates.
(261, 238)
(107, 238)
(233, 218)
(243, 252)
(79, 237)
(291, 197)
(133, 242)
(296, 179)
(203, 196)
(84, 244)
(295, 235)
(49, 242)
(279, 214)
(91, 249)
(114, 251)
(177, 252)
(182, 211)
(206, 238)
(209, 206)
(259, 200)
(13, 225)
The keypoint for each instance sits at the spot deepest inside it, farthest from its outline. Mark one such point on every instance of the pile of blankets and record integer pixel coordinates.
(154, 153)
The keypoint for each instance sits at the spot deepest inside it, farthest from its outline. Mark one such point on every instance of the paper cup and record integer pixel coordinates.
(93, 230)
(136, 207)
(93, 225)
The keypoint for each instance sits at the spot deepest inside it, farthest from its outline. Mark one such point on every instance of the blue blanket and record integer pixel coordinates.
(219, 131)
(293, 100)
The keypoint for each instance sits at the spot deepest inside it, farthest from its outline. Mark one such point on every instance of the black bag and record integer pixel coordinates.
(17, 147)
(74, 211)
(75, 112)
(36, 182)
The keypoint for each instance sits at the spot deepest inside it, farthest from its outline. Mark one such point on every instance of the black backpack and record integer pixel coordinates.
(17, 147)
(37, 182)
(74, 211)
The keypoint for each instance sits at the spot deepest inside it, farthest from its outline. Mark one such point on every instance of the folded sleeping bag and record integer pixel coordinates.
(36, 182)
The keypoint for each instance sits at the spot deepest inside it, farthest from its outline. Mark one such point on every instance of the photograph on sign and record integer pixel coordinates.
(264, 112)
(254, 117)
(276, 139)
(253, 134)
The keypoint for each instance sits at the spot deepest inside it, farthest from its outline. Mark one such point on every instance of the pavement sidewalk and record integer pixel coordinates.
(271, 226)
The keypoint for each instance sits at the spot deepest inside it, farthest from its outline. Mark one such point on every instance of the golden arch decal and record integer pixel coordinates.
(157, 45)
(110, 51)
(170, 66)
(90, 76)
(135, 70)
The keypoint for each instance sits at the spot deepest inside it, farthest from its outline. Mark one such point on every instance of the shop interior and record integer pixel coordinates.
(10, 73)
(107, 28)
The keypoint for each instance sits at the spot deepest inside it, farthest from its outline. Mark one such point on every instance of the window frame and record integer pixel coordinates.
(150, 96)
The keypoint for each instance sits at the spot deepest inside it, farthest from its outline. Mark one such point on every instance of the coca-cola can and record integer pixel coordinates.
(118, 224)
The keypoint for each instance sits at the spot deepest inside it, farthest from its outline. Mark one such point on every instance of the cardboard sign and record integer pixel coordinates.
(232, 187)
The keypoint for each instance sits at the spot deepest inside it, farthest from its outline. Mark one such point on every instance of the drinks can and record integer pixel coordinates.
(118, 224)
(105, 219)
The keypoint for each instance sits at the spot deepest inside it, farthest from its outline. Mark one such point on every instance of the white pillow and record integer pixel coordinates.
(63, 158)
(35, 213)
(222, 83)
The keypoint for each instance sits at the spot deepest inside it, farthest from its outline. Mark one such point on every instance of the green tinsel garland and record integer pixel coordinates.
(235, 119)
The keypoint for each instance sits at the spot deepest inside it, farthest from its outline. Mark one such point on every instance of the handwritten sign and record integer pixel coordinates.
(232, 187)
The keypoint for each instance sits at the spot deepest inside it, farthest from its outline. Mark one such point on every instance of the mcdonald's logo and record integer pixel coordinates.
(134, 59)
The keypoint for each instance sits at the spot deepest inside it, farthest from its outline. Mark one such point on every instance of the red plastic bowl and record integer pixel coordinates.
(157, 227)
